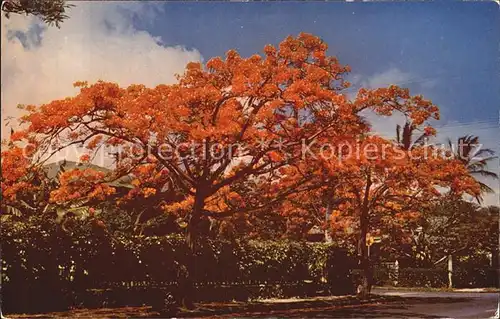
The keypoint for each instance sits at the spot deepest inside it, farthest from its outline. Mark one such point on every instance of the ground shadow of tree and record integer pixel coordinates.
(350, 307)
(378, 307)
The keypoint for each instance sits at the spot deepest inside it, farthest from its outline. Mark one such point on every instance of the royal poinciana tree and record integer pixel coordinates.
(233, 136)
(374, 184)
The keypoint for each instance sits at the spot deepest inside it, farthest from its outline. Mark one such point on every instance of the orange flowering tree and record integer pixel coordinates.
(379, 184)
(224, 126)
(369, 183)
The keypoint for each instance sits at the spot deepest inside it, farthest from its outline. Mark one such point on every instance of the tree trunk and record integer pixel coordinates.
(328, 213)
(186, 282)
(495, 258)
(364, 260)
(450, 271)
(194, 221)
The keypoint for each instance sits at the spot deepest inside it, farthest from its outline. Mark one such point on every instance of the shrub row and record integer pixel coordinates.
(438, 278)
(49, 269)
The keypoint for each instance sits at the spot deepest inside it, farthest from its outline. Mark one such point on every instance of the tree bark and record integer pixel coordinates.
(450, 271)
(328, 213)
(366, 285)
(365, 288)
(194, 220)
(186, 283)
(495, 257)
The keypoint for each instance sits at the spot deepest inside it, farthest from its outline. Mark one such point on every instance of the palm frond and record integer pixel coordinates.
(471, 147)
(485, 173)
(485, 152)
(482, 161)
(451, 146)
(485, 188)
(407, 134)
(420, 140)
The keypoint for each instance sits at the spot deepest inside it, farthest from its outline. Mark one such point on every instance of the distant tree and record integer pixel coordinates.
(389, 188)
(405, 135)
(491, 215)
(469, 151)
(52, 12)
(454, 227)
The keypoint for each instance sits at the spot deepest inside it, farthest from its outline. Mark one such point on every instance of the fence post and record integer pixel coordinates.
(396, 272)
(328, 213)
(450, 271)
(1, 268)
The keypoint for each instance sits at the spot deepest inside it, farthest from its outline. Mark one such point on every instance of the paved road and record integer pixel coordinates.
(411, 305)
(431, 305)
(406, 305)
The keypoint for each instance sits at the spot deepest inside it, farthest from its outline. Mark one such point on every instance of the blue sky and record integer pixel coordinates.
(447, 51)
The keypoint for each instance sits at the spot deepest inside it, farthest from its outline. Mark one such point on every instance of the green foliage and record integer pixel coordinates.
(408, 277)
(49, 11)
(468, 277)
(453, 226)
(422, 277)
(39, 259)
(463, 277)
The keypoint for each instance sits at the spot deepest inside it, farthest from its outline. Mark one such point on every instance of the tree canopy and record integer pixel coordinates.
(242, 135)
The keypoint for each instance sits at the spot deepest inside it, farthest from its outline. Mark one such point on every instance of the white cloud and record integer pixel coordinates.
(98, 41)
(383, 79)
(383, 125)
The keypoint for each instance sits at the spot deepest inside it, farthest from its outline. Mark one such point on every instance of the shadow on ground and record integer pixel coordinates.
(378, 307)
(344, 307)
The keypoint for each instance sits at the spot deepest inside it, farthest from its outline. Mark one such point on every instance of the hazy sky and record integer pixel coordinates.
(447, 51)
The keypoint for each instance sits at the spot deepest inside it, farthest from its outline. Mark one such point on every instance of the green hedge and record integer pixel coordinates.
(419, 277)
(46, 269)
(473, 277)
(438, 277)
